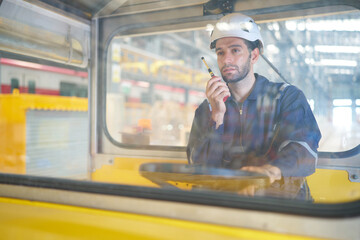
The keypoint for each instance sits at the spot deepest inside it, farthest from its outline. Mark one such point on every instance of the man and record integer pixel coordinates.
(263, 127)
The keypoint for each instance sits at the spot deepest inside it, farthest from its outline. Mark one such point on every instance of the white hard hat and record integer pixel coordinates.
(236, 25)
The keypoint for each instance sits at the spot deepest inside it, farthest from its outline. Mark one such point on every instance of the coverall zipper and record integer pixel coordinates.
(241, 122)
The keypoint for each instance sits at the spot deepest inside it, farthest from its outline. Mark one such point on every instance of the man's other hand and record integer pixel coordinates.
(274, 173)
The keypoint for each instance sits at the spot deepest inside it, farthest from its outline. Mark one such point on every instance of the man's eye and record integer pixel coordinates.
(219, 53)
(235, 50)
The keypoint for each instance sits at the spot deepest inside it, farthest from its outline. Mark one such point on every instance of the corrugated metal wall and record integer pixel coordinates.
(57, 143)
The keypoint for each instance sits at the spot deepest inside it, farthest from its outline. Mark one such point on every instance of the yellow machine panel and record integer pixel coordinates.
(13, 109)
(55, 221)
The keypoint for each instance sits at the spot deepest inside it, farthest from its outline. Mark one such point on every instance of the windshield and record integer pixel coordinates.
(158, 81)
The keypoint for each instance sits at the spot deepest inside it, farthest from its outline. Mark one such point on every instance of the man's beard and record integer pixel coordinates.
(240, 75)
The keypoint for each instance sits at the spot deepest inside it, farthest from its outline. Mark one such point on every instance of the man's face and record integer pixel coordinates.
(233, 58)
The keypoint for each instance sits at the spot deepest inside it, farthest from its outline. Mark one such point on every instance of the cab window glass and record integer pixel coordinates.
(156, 82)
(154, 85)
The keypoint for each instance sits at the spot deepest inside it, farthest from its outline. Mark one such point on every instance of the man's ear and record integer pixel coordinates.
(255, 55)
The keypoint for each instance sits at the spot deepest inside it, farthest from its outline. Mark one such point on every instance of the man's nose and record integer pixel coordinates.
(227, 58)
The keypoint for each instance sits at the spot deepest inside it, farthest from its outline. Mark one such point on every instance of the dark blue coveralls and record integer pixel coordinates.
(274, 125)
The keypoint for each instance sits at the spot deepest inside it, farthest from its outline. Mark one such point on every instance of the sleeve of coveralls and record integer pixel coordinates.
(298, 136)
(205, 143)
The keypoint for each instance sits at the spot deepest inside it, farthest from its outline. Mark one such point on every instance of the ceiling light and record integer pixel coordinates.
(339, 71)
(272, 48)
(331, 62)
(342, 102)
(300, 48)
(325, 25)
(338, 62)
(337, 49)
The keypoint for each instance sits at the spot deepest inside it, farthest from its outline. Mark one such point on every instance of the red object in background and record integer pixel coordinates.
(36, 66)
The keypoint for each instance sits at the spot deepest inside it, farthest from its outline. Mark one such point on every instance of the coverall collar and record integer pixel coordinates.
(259, 85)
